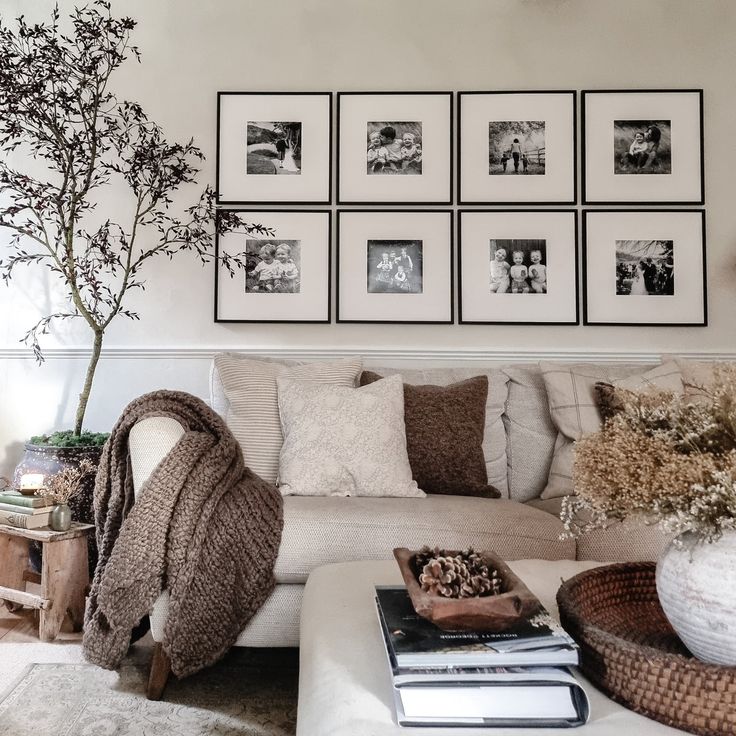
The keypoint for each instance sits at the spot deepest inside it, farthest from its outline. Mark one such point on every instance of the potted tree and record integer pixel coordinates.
(57, 109)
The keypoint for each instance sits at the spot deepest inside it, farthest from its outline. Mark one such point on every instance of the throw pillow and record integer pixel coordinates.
(444, 435)
(342, 441)
(253, 410)
(572, 405)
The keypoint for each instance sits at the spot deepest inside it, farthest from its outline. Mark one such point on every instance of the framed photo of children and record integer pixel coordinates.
(643, 147)
(394, 148)
(644, 268)
(518, 266)
(279, 275)
(274, 148)
(395, 266)
(517, 148)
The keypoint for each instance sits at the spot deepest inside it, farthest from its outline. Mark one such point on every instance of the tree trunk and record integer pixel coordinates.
(84, 396)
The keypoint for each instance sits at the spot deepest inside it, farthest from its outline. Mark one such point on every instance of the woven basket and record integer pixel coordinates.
(630, 651)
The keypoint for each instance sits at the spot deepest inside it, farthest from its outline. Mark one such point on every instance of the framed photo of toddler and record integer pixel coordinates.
(643, 147)
(274, 148)
(517, 148)
(644, 268)
(395, 266)
(280, 273)
(394, 148)
(518, 267)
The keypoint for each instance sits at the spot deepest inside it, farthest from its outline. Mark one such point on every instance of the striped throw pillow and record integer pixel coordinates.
(253, 409)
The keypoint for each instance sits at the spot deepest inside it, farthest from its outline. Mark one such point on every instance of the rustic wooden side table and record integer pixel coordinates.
(64, 574)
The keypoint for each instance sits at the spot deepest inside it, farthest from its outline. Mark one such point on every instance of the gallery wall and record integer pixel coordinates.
(191, 50)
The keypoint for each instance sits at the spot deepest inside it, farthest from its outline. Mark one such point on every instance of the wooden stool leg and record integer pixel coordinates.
(13, 564)
(64, 579)
(160, 670)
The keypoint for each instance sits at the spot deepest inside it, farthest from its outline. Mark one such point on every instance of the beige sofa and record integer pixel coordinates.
(519, 446)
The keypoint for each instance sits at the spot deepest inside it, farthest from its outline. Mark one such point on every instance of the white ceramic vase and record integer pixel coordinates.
(696, 584)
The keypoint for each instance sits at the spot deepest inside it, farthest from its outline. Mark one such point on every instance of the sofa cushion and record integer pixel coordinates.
(573, 408)
(494, 435)
(321, 530)
(530, 433)
(444, 435)
(343, 441)
(252, 412)
(631, 540)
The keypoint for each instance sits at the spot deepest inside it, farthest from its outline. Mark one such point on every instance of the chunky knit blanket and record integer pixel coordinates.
(204, 527)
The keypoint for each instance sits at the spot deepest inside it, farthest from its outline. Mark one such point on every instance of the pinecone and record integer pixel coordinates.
(463, 575)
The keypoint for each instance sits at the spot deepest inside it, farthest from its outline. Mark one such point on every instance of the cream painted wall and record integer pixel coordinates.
(192, 49)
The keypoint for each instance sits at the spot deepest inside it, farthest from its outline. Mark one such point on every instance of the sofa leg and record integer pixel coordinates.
(160, 670)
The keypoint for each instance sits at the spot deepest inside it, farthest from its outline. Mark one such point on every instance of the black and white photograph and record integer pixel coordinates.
(394, 266)
(642, 146)
(518, 266)
(394, 148)
(645, 268)
(274, 148)
(505, 254)
(278, 273)
(516, 147)
(273, 267)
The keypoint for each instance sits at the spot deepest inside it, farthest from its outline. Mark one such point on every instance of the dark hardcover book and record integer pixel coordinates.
(18, 499)
(416, 642)
(492, 697)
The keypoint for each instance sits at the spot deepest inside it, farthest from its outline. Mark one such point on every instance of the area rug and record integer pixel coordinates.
(84, 700)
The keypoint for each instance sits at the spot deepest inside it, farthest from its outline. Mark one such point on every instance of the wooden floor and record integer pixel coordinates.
(22, 626)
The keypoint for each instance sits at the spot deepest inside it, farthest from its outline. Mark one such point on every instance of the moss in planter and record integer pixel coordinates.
(67, 438)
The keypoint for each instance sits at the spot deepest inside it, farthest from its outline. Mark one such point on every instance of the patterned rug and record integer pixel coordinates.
(230, 699)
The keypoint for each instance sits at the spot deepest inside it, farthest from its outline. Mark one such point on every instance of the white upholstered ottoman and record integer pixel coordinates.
(344, 683)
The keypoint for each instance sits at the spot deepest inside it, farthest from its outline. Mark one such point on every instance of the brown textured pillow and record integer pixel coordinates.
(444, 436)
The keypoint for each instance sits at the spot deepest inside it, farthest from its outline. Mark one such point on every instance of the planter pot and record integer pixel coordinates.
(696, 585)
(49, 460)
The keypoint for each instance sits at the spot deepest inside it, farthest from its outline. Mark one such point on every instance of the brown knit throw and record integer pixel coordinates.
(204, 527)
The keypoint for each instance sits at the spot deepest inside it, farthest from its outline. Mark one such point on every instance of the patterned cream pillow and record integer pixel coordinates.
(253, 410)
(344, 441)
(573, 408)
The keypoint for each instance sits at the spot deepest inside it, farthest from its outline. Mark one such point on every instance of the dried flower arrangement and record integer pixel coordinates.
(668, 458)
(63, 485)
(456, 575)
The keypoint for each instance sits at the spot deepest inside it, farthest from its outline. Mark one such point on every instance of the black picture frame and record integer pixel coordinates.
(586, 213)
(305, 211)
(273, 202)
(360, 202)
(520, 203)
(641, 202)
(521, 211)
(451, 265)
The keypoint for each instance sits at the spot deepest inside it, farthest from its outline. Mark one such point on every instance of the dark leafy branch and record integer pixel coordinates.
(56, 107)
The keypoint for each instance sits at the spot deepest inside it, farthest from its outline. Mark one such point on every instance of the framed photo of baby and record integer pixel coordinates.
(394, 148)
(644, 267)
(643, 147)
(506, 256)
(279, 274)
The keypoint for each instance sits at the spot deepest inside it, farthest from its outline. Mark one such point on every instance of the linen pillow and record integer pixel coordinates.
(444, 435)
(494, 434)
(572, 405)
(342, 441)
(253, 410)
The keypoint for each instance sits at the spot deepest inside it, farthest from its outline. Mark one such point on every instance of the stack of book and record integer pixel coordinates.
(519, 677)
(26, 512)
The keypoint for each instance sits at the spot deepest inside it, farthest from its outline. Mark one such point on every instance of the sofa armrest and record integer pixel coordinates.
(149, 442)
